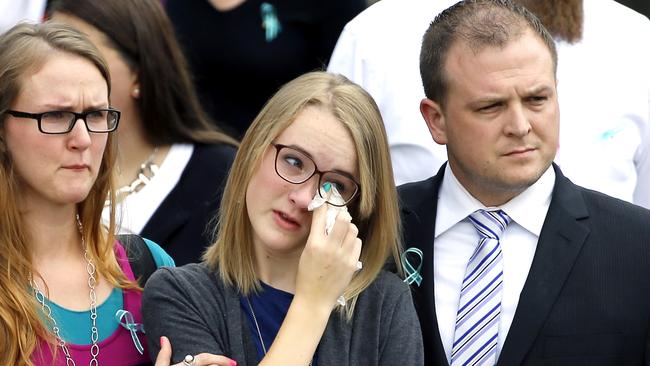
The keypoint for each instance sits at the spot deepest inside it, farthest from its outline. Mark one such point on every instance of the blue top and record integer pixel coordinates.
(75, 325)
(270, 306)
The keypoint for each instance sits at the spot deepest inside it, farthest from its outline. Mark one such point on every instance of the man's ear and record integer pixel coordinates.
(435, 119)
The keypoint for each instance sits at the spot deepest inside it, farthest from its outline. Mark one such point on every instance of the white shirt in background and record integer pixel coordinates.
(16, 11)
(133, 213)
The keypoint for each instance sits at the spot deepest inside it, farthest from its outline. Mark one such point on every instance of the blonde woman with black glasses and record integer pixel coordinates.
(276, 287)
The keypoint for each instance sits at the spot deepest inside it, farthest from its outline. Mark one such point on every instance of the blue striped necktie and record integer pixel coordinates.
(479, 308)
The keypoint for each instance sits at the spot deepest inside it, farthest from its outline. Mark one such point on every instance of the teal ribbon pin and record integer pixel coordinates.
(609, 134)
(412, 273)
(126, 320)
(270, 22)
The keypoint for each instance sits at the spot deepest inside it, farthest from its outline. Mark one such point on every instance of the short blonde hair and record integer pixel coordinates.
(375, 211)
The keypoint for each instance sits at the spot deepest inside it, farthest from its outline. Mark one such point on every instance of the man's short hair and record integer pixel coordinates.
(479, 24)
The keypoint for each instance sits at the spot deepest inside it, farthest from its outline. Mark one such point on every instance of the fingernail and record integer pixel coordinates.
(233, 362)
(161, 341)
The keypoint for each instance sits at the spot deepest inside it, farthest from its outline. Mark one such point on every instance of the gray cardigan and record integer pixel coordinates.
(199, 313)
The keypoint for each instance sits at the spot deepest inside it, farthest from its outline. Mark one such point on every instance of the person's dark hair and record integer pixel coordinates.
(562, 18)
(143, 35)
(479, 24)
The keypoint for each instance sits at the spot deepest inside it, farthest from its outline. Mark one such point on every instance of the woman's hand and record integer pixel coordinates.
(328, 262)
(326, 267)
(202, 359)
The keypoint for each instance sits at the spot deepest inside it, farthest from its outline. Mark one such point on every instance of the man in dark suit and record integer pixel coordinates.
(520, 266)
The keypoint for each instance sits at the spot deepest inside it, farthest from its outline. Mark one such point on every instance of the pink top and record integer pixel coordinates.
(118, 348)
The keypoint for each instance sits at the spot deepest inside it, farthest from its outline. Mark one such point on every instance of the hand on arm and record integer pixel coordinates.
(202, 359)
(171, 311)
(326, 267)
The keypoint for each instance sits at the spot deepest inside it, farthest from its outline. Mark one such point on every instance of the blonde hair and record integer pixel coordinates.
(24, 49)
(375, 211)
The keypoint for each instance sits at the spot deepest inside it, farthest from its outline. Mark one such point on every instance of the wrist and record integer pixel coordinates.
(313, 308)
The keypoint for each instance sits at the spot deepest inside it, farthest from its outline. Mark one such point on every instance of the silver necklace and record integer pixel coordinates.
(147, 171)
(257, 326)
(92, 281)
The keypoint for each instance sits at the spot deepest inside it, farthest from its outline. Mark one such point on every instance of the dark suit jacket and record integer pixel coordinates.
(586, 300)
(181, 223)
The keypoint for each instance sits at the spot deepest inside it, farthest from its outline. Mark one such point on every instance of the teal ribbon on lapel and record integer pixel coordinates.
(412, 273)
(270, 22)
(126, 320)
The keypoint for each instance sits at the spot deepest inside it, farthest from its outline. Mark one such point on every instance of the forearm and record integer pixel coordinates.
(168, 310)
(299, 334)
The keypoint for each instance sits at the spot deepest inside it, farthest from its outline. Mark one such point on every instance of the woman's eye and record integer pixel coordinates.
(340, 187)
(55, 115)
(95, 114)
(293, 161)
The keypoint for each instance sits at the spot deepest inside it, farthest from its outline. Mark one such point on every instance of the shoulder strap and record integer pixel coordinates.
(140, 257)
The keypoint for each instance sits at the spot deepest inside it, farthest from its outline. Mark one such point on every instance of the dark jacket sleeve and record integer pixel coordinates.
(401, 342)
(175, 304)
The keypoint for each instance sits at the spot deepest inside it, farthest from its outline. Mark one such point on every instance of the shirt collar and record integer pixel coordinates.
(527, 209)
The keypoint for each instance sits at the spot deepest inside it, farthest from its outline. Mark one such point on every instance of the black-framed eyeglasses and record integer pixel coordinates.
(61, 122)
(296, 167)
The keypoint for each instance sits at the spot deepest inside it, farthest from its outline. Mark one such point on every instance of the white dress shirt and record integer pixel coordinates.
(456, 239)
(16, 11)
(380, 50)
(604, 92)
(136, 209)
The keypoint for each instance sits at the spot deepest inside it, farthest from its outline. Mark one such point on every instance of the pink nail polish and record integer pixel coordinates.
(233, 363)
(162, 340)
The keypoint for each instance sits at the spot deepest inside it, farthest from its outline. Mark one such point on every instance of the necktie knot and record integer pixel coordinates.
(490, 224)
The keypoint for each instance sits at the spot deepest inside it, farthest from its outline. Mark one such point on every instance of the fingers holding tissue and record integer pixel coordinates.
(331, 255)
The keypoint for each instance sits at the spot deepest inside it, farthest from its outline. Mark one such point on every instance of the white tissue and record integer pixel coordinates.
(332, 211)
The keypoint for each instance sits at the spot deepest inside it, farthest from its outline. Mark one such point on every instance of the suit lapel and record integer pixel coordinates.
(419, 218)
(560, 241)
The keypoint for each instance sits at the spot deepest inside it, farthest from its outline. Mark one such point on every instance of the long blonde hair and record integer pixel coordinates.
(24, 49)
(375, 212)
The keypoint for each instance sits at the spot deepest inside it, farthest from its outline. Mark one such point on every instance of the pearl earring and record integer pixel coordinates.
(136, 93)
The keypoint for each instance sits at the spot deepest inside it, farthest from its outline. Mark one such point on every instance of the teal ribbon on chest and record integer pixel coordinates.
(126, 320)
(412, 272)
(270, 22)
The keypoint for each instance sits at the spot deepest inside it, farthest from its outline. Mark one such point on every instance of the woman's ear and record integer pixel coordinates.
(435, 119)
(135, 91)
(135, 84)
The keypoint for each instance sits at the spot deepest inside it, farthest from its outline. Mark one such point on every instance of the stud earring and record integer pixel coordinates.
(136, 93)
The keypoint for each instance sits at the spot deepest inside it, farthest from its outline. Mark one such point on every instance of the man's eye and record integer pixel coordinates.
(537, 100)
(490, 107)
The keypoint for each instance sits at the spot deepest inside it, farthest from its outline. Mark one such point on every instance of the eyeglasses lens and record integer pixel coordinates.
(296, 167)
